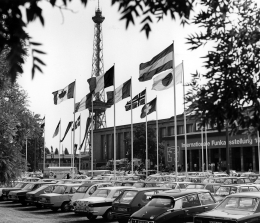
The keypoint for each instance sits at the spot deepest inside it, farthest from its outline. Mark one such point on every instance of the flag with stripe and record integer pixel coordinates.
(137, 101)
(67, 129)
(77, 124)
(164, 80)
(148, 108)
(98, 83)
(64, 94)
(110, 98)
(56, 130)
(156, 65)
(85, 103)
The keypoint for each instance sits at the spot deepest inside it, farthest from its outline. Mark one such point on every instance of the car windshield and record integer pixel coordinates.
(82, 189)
(29, 187)
(102, 193)
(59, 189)
(161, 202)
(193, 186)
(138, 185)
(238, 203)
(18, 185)
(223, 191)
(126, 197)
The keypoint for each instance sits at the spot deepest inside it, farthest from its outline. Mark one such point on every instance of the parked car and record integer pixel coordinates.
(32, 197)
(99, 203)
(20, 195)
(225, 190)
(175, 206)
(212, 187)
(127, 183)
(59, 198)
(6, 191)
(86, 190)
(131, 201)
(241, 207)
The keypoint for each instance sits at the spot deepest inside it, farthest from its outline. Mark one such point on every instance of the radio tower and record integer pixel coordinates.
(99, 105)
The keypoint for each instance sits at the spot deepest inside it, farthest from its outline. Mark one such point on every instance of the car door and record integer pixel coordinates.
(191, 206)
(207, 201)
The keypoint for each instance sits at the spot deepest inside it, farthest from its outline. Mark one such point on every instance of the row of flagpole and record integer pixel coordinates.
(144, 109)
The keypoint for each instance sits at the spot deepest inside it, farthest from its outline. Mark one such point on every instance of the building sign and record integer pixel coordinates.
(170, 155)
(219, 142)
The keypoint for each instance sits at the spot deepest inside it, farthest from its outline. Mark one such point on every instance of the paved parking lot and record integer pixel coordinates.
(16, 213)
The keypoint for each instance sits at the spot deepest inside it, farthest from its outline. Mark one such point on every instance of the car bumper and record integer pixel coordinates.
(121, 215)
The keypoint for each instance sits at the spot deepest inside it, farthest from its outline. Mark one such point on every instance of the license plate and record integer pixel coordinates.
(122, 209)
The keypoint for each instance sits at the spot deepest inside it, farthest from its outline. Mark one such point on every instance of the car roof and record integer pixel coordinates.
(247, 194)
(116, 187)
(181, 193)
(237, 185)
(70, 184)
(148, 189)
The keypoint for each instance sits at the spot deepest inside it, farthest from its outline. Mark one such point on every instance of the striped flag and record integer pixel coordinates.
(67, 129)
(56, 130)
(98, 83)
(77, 124)
(85, 103)
(64, 94)
(137, 101)
(164, 80)
(149, 108)
(121, 92)
(156, 65)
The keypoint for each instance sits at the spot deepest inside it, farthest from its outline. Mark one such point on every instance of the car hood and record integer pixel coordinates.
(49, 195)
(226, 214)
(78, 196)
(11, 189)
(19, 192)
(149, 212)
(96, 199)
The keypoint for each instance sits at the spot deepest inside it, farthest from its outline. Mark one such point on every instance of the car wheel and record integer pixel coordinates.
(108, 215)
(65, 207)
(54, 209)
(91, 217)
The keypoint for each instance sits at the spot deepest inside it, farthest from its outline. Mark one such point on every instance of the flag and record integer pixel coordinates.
(110, 98)
(75, 148)
(67, 129)
(121, 92)
(56, 130)
(137, 101)
(148, 108)
(158, 64)
(84, 103)
(98, 83)
(64, 94)
(165, 79)
(42, 124)
(77, 124)
(86, 131)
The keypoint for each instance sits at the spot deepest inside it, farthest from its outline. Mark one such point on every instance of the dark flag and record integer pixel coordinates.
(77, 124)
(86, 131)
(67, 129)
(137, 101)
(56, 130)
(149, 108)
(75, 148)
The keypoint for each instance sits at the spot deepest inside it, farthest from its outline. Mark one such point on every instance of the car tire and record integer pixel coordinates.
(65, 207)
(91, 217)
(108, 215)
(54, 209)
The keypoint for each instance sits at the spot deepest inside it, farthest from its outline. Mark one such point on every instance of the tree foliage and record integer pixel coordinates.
(13, 24)
(232, 68)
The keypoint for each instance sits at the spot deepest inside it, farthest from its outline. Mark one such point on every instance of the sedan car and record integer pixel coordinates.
(59, 198)
(6, 191)
(99, 203)
(132, 200)
(175, 206)
(212, 187)
(241, 207)
(225, 190)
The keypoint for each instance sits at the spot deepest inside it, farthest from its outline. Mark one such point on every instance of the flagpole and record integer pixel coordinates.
(157, 140)
(71, 146)
(79, 140)
(92, 135)
(44, 146)
(59, 143)
(74, 130)
(132, 132)
(26, 152)
(206, 148)
(258, 145)
(175, 119)
(202, 154)
(114, 128)
(146, 142)
(185, 131)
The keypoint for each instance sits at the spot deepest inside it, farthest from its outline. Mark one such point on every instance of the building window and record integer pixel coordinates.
(170, 130)
(189, 128)
(163, 132)
(180, 129)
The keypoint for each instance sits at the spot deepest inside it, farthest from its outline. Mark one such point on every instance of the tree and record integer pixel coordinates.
(47, 151)
(56, 152)
(66, 152)
(232, 74)
(13, 25)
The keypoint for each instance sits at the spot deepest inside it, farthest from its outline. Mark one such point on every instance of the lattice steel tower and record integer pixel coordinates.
(99, 106)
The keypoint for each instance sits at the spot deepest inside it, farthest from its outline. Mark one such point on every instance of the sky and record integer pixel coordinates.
(67, 38)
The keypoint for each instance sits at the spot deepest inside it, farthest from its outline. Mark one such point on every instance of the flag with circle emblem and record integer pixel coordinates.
(149, 108)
